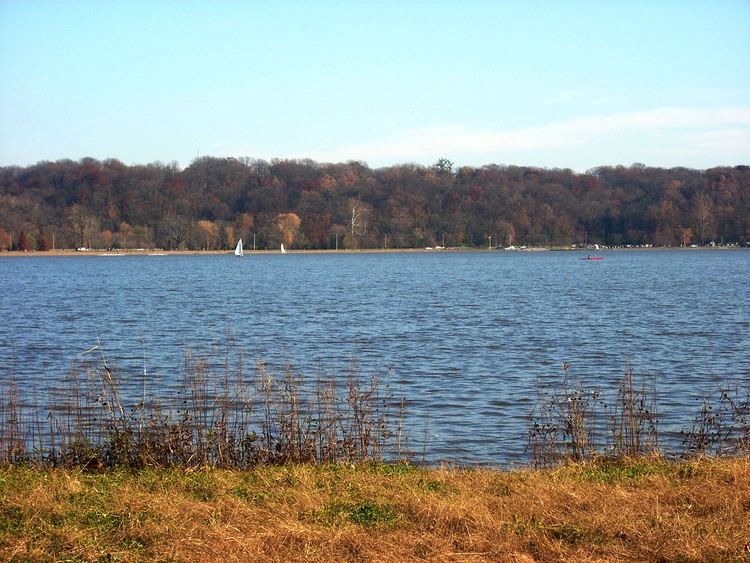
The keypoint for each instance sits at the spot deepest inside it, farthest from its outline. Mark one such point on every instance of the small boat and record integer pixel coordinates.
(238, 251)
(283, 250)
(589, 257)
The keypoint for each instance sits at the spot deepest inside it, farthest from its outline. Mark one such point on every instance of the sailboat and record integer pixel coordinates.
(283, 250)
(238, 251)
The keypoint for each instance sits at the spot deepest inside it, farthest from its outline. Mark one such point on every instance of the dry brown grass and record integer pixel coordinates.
(645, 510)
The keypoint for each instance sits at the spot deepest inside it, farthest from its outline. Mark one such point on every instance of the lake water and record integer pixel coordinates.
(465, 334)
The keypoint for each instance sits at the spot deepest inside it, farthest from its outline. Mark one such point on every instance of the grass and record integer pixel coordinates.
(644, 509)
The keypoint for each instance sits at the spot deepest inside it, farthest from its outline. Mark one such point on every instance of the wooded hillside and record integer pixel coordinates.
(305, 204)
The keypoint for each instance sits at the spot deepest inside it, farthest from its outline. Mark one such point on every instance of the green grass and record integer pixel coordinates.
(12, 520)
(365, 513)
(617, 472)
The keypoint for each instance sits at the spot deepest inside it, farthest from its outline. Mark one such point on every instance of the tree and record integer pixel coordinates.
(43, 244)
(287, 226)
(84, 224)
(412, 205)
(358, 218)
(244, 225)
(506, 231)
(210, 230)
(105, 239)
(687, 236)
(443, 166)
(125, 230)
(176, 230)
(23, 243)
(228, 237)
(143, 237)
(5, 240)
(704, 218)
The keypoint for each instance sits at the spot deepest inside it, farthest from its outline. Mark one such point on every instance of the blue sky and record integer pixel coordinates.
(555, 84)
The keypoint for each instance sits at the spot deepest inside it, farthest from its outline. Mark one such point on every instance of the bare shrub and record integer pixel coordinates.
(214, 416)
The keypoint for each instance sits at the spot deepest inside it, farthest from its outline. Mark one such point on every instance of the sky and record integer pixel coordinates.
(567, 84)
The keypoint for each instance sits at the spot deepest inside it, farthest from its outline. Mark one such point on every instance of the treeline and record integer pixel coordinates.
(306, 204)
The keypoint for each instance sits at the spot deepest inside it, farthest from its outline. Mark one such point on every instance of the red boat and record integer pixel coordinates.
(592, 258)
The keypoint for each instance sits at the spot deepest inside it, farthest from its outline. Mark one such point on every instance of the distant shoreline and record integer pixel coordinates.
(157, 252)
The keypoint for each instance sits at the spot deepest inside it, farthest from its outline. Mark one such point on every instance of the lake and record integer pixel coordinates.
(465, 335)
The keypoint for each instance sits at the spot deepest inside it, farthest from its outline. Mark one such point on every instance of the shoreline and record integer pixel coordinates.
(159, 252)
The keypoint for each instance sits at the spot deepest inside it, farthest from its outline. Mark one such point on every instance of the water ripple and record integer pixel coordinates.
(466, 335)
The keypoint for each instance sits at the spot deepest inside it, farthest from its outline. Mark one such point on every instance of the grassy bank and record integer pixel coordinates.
(644, 510)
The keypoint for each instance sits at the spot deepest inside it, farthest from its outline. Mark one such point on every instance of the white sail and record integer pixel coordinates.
(283, 251)
(238, 251)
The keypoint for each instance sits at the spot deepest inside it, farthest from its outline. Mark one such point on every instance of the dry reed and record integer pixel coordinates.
(573, 423)
(215, 415)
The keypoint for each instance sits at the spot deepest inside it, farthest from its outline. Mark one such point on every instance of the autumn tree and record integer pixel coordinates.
(105, 239)
(287, 226)
(687, 236)
(160, 205)
(210, 230)
(228, 238)
(124, 232)
(244, 225)
(43, 242)
(5, 240)
(23, 242)
(143, 237)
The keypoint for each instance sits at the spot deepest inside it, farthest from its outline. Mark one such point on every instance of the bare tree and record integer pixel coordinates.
(177, 230)
(358, 220)
(83, 224)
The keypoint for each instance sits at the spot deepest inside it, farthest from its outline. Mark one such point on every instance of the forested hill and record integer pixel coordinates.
(305, 204)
